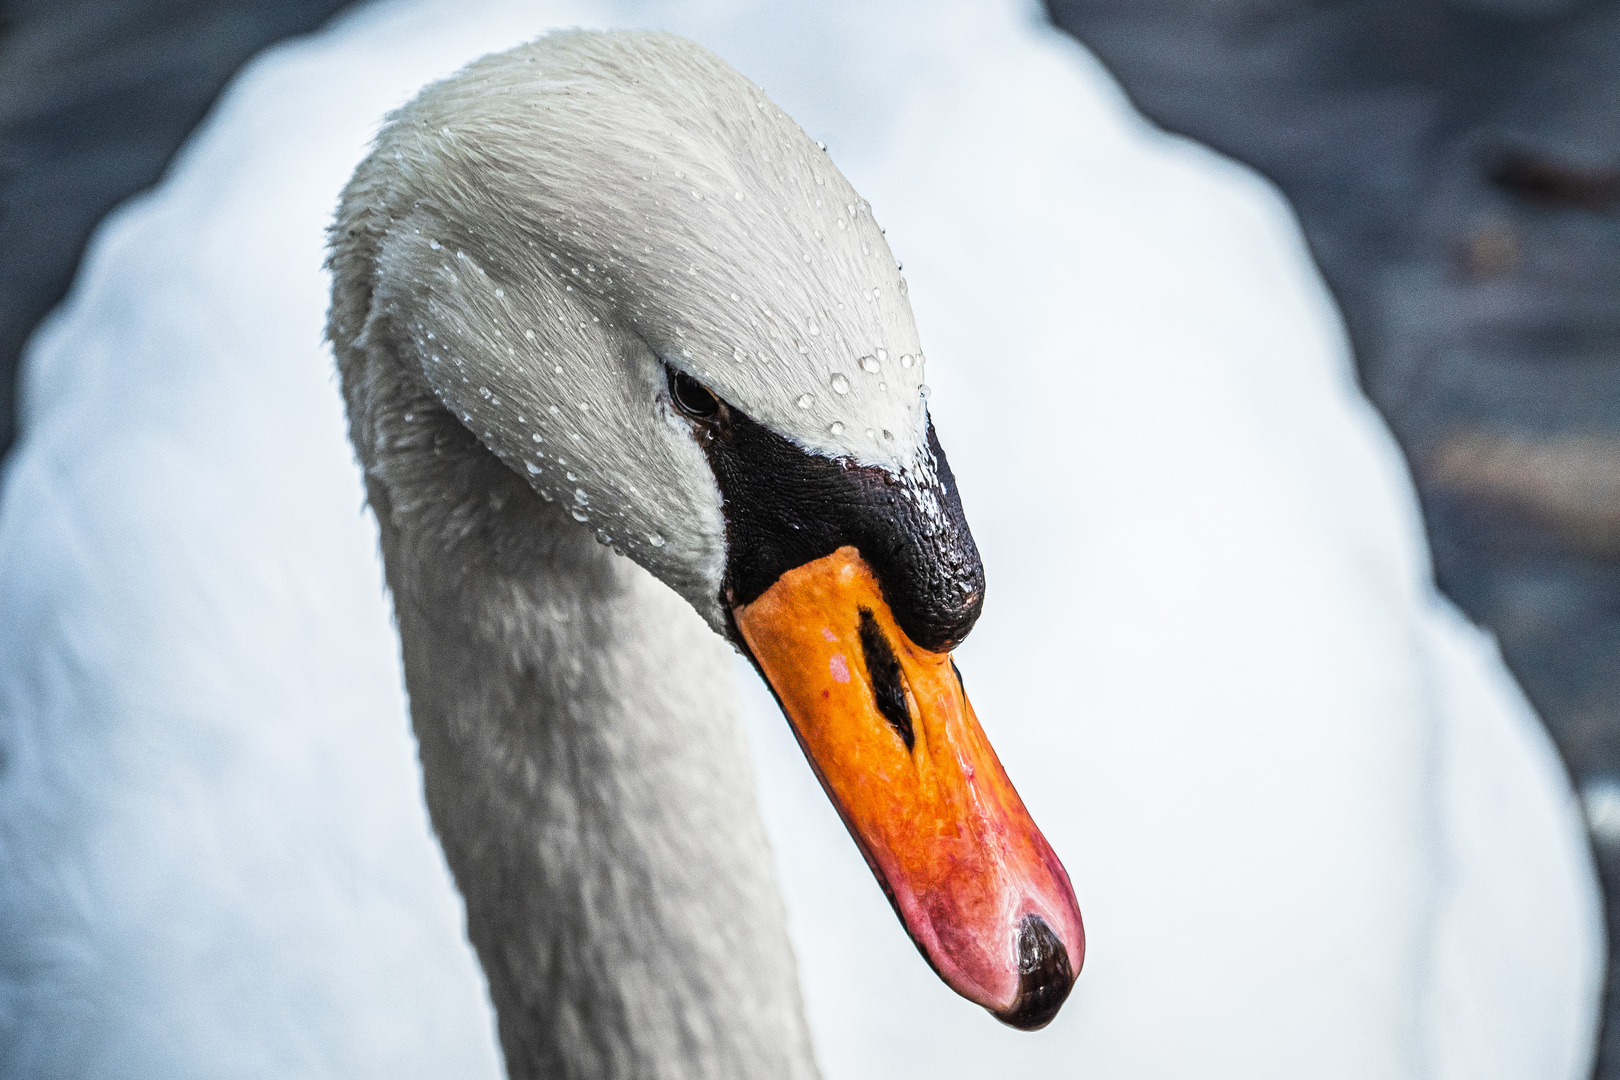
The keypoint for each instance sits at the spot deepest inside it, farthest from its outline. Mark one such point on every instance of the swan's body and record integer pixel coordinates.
(1265, 751)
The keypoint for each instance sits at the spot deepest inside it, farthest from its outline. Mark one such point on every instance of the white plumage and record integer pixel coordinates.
(1313, 826)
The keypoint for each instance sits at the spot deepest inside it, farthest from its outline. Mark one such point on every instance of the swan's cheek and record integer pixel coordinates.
(891, 735)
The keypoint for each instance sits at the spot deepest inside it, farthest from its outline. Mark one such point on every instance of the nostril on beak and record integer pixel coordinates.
(887, 688)
(1045, 976)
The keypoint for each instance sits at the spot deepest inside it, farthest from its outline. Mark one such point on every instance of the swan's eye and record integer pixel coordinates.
(691, 396)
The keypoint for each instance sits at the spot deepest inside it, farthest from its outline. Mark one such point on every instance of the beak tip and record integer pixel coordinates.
(1045, 976)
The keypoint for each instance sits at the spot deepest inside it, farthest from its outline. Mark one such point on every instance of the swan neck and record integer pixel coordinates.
(587, 774)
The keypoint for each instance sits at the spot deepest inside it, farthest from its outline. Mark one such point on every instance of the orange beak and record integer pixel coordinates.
(889, 732)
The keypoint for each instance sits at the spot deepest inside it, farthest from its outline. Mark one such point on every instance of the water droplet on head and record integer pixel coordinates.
(840, 383)
(804, 401)
(869, 363)
(580, 515)
(655, 540)
(923, 390)
(836, 427)
(883, 354)
(532, 467)
(905, 360)
(581, 498)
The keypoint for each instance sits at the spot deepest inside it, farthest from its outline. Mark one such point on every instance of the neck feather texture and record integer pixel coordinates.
(585, 768)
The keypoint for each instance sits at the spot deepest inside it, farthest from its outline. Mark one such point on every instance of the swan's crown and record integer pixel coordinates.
(652, 179)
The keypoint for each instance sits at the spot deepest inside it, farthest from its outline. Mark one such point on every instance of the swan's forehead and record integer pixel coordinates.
(673, 191)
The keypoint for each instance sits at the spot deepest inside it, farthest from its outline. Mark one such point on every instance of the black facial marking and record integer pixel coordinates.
(1044, 976)
(887, 687)
(785, 507)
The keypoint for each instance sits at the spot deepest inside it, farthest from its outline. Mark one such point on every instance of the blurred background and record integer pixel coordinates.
(1456, 170)
(1455, 167)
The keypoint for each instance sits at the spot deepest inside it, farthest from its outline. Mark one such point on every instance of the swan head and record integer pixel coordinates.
(618, 266)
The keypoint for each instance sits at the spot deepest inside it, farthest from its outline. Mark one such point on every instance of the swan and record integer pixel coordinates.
(1234, 706)
(709, 362)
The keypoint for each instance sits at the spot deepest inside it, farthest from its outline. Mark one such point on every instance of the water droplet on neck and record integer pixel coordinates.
(655, 540)
(923, 391)
(869, 363)
(579, 515)
(840, 383)
(836, 427)
(905, 360)
(532, 467)
(882, 354)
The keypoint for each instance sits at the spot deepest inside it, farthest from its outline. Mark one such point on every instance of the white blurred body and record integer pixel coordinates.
(1313, 827)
